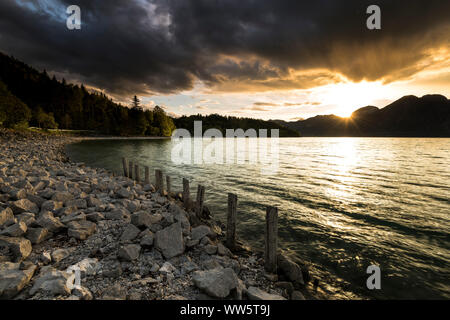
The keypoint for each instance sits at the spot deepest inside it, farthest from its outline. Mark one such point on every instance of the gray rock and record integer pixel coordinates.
(170, 241)
(6, 218)
(145, 219)
(117, 214)
(76, 216)
(59, 255)
(27, 217)
(52, 282)
(210, 249)
(51, 223)
(216, 282)
(51, 205)
(115, 292)
(15, 230)
(45, 257)
(77, 203)
(223, 251)
(130, 232)
(81, 230)
(13, 280)
(62, 196)
(297, 295)
(148, 239)
(254, 293)
(124, 193)
(82, 293)
(24, 205)
(37, 235)
(95, 216)
(19, 247)
(199, 232)
(94, 202)
(290, 269)
(129, 252)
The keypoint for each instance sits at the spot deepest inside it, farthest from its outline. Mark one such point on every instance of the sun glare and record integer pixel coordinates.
(347, 97)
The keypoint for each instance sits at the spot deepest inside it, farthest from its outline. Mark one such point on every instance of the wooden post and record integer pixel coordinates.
(271, 239)
(137, 175)
(130, 169)
(200, 200)
(159, 181)
(168, 185)
(125, 166)
(186, 192)
(147, 175)
(231, 220)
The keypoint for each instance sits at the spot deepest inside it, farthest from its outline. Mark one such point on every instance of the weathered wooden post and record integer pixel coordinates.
(231, 220)
(147, 175)
(125, 166)
(186, 192)
(271, 239)
(168, 185)
(137, 175)
(159, 181)
(130, 169)
(200, 200)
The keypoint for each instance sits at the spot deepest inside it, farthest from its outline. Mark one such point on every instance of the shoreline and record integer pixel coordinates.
(128, 241)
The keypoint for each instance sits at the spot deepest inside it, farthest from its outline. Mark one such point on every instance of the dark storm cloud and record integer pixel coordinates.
(138, 46)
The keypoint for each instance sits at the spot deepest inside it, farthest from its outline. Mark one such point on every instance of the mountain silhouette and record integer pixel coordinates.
(410, 116)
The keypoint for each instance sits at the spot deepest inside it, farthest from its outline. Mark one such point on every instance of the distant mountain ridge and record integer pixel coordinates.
(410, 116)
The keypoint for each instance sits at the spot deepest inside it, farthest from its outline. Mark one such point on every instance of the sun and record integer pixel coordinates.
(350, 96)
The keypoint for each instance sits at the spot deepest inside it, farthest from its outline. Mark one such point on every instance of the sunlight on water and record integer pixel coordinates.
(344, 204)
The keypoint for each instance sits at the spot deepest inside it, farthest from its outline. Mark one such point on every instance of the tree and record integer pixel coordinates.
(136, 104)
(13, 112)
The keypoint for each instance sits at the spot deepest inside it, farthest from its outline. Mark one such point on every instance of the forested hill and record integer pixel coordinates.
(222, 123)
(30, 97)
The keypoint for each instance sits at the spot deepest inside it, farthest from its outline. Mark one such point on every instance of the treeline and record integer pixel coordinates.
(216, 121)
(31, 98)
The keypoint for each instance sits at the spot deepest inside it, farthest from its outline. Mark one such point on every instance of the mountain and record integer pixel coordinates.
(30, 97)
(410, 116)
(222, 123)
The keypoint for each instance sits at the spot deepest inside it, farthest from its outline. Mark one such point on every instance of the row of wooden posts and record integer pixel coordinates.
(271, 228)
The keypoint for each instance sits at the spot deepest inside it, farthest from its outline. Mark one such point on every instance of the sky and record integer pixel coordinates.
(263, 59)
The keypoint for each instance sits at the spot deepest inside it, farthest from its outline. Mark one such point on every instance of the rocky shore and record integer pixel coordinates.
(68, 231)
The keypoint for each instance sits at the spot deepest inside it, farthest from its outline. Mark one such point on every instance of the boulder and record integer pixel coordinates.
(117, 214)
(62, 196)
(6, 218)
(145, 219)
(95, 216)
(297, 295)
(49, 222)
(129, 252)
(217, 282)
(15, 230)
(199, 232)
(24, 205)
(59, 255)
(52, 282)
(27, 217)
(290, 269)
(210, 249)
(81, 230)
(170, 241)
(51, 205)
(19, 247)
(130, 232)
(37, 235)
(13, 279)
(254, 293)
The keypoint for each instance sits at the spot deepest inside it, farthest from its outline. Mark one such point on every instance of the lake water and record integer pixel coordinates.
(344, 204)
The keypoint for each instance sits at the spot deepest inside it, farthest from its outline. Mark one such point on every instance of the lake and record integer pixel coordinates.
(344, 204)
